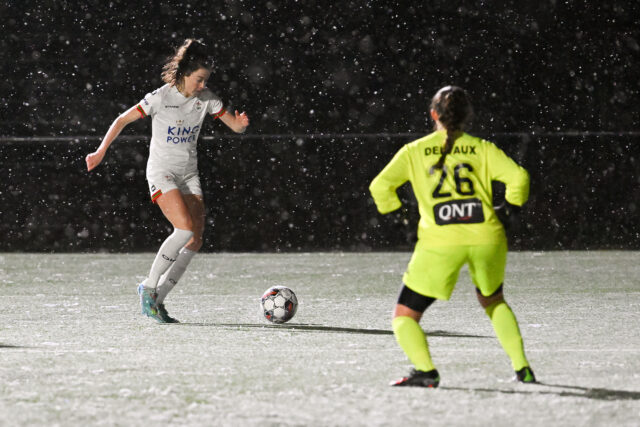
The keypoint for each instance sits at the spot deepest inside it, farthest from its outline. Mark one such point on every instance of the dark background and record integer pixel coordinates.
(333, 89)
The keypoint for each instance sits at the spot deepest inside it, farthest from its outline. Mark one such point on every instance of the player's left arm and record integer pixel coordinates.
(237, 123)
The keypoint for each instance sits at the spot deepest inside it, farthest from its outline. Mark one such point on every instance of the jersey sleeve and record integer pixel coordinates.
(215, 106)
(515, 177)
(383, 187)
(150, 104)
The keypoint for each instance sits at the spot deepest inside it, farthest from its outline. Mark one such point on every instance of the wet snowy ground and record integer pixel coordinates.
(74, 350)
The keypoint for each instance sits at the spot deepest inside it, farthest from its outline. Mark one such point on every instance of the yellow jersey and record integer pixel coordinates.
(456, 202)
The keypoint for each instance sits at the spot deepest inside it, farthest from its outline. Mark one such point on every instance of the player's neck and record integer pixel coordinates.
(183, 92)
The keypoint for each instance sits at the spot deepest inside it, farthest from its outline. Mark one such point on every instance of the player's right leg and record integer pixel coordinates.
(170, 278)
(174, 209)
(195, 206)
(486, 266)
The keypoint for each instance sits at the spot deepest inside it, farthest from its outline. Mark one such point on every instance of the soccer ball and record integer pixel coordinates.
(279, 304)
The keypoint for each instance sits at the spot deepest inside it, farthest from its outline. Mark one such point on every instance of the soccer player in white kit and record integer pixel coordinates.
(177, 110)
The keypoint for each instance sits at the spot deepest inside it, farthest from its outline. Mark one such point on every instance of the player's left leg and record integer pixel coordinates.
(486, 265)
(432, 273)
(412, 339)
(169, 280)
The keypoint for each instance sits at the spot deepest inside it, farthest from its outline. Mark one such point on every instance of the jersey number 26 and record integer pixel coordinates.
(464, 185)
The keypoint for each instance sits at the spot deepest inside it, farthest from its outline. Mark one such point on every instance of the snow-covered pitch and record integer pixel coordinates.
(74, 350)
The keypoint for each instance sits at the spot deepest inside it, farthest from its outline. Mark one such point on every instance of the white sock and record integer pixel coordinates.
(171, 277)
(166, 256)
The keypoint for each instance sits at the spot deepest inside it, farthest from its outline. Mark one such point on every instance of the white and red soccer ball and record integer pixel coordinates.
(279, 304)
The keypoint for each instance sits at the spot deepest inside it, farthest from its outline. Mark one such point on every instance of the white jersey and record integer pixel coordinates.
(175, 126)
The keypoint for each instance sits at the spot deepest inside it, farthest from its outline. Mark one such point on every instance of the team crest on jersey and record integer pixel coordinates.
(198, 106)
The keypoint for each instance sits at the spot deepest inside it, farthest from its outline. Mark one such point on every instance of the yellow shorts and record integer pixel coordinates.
(433, 272)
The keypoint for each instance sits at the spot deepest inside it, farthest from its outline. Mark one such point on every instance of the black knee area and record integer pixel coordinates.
(414, 300)
(489, 296)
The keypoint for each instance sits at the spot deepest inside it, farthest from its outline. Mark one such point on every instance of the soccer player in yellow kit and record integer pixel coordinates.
(451, 174)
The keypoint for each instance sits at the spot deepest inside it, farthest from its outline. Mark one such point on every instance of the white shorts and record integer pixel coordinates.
(163, 181)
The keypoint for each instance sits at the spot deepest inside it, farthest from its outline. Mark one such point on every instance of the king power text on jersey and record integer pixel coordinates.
(178, 134)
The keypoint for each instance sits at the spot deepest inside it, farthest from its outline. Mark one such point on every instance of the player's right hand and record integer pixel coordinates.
(94, 159)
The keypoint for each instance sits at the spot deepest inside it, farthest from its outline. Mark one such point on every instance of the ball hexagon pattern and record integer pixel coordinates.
(279, 304)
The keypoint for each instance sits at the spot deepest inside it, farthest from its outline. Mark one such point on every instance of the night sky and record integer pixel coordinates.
(332, 91)
(326, 67)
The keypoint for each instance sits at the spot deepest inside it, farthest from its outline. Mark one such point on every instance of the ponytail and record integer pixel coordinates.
(448, 146)
(454, 111)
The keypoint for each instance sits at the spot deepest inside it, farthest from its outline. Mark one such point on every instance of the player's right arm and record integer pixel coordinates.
(383, 187)
(129, 116)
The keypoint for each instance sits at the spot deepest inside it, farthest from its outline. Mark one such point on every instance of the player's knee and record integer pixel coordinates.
(494, 298)
(180, 237)
(404, 311)
(195, 243)
(188, 224)
(411, 304)
(184, 223)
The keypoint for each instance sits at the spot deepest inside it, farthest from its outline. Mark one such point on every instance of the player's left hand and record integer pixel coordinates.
(242, 119)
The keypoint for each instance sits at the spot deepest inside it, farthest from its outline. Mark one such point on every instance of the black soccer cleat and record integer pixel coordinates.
(429, 379)
(525, 375)
(164, 315)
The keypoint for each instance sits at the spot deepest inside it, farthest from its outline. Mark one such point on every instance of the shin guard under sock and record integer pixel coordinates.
(506, 327)
(413, 341)
(175, 272)
(166, 256)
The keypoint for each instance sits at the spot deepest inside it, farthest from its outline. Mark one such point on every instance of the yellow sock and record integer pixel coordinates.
(413, 341)
(506, 327)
